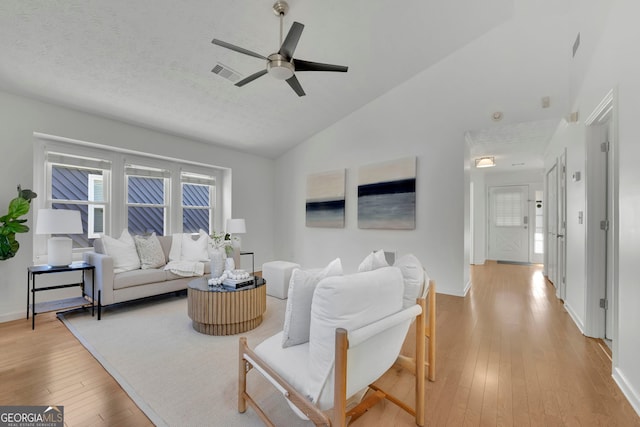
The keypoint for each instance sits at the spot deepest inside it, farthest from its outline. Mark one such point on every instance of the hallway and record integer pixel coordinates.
(508, 354)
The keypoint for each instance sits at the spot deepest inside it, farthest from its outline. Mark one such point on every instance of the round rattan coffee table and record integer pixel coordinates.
(225, 312)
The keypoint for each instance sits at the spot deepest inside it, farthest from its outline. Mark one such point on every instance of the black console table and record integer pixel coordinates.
(62, 304)
(253, 268)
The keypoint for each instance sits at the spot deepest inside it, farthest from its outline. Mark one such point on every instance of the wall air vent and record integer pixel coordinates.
(576, 45)
(226, 72)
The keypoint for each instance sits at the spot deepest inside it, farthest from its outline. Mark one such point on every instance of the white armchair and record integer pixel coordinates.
(358, 326)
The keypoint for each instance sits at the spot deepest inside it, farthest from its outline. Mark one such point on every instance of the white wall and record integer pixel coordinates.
(427, 116)
(610, 65)
(252, 180)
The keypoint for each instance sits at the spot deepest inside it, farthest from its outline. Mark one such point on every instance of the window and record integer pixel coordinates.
(198, 195)
(538, 237)
(508, 208)
(146, 199)
(116, 189)
(96, 212)
(77, 183)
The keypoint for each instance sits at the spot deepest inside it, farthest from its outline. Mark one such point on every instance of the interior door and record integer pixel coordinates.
(509, 223)
(552, 225)
(562, 229)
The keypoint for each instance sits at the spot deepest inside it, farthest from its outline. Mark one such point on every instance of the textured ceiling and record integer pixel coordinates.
(515, 146)
(149, 62)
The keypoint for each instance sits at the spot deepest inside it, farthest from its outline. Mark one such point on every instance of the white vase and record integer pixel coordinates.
(217, 262)
(229, 264)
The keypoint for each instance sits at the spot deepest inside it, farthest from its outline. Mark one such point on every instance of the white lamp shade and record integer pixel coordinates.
(236, 226)
(58, 221)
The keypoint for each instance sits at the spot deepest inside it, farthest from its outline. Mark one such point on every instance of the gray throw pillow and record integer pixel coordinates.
(149, 251)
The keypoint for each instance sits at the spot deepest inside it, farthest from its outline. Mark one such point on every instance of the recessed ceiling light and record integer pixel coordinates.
(497, 116)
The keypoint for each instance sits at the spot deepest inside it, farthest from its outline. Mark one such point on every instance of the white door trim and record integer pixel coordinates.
(605, 113)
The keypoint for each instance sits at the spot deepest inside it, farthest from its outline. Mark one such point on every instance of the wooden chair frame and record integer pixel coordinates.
(248, 360)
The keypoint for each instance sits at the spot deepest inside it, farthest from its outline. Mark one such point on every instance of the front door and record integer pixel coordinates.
(509, 223)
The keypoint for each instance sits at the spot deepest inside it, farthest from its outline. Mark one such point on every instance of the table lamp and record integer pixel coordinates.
(236, 226)
(59, 221)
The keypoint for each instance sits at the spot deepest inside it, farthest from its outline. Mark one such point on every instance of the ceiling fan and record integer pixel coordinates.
(282, 65)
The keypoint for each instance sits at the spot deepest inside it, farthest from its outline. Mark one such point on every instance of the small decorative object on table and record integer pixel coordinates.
(220, 247)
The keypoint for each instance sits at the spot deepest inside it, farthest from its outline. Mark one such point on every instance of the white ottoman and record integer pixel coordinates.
(277, 275)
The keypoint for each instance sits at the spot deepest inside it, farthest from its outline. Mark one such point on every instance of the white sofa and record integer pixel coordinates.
(130, 285)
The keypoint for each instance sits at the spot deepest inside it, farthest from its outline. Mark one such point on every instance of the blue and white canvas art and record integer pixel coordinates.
(325, 199)
(387, 195)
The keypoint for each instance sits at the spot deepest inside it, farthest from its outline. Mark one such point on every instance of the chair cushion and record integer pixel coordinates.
(348, 302)
(297, 316)
(413, 275)
(373, 261)
(123, 251)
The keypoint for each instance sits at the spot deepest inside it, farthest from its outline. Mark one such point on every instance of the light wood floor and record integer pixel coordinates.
(508, 355)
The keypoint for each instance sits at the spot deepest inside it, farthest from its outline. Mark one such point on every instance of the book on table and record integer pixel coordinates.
(239, 283)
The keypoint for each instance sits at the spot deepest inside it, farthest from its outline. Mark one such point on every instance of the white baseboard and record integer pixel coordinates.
(466, 288)
(574, 317)
(627, 389)
(8, 317)
(452, 292)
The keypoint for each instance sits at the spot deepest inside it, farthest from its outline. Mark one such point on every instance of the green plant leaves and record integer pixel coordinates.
(8, 246)
(11, 223)
(18, 207)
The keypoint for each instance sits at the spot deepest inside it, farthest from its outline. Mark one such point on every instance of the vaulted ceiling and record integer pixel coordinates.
(149, 62)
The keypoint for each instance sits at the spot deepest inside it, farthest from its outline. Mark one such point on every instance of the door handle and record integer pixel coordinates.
(560, 236)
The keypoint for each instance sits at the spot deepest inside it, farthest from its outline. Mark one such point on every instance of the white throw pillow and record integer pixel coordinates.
(297, 316)
(123, 251)
(194, 250)
(185, 248)
(373, 261)
(149, 251)
(413, 276)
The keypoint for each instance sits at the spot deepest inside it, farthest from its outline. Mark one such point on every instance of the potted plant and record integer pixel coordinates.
(10, 224)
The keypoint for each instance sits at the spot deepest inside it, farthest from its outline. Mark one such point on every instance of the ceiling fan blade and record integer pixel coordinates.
(291, 41)
(295, 85)
(301, 65)
(251, 78)
(237, 48)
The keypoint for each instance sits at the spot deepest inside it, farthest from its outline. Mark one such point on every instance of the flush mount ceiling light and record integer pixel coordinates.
(497, 116)
(485, 162)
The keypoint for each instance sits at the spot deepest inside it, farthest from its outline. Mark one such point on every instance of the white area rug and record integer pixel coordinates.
(176, 375)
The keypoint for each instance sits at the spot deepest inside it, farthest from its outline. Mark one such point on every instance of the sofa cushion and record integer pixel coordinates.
(123, 251)
(348, 302)
(165, 242)
(138, 277)
(297, 315)
(149, 251)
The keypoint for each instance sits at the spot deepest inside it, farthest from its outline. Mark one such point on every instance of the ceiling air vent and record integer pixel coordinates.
(226, 72)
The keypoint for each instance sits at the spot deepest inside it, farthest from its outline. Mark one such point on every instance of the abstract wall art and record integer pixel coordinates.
(387, 195)
(325, 199)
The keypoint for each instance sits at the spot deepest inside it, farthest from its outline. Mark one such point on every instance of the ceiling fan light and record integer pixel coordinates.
(485, 162)
(279, 67)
